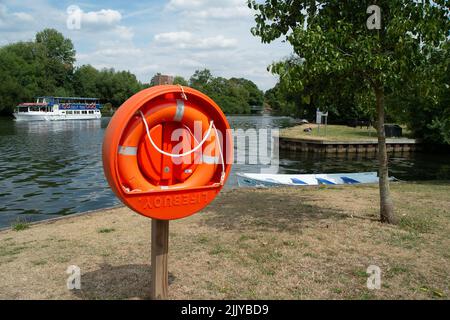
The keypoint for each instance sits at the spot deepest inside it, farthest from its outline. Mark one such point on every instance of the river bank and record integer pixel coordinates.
(54, 168)
(250, 243)
(336, 139)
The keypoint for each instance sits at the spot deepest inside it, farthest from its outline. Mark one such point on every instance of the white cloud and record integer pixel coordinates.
(185, 4)
(220, 13)
(190, 63)
(92, 20)
(210, 9)
(11, 21)
(23, 17)
(95, 26)
(185, 39)
(123, 32)
(173, 37)
(116, 52)
(104, 17)
(193, 4)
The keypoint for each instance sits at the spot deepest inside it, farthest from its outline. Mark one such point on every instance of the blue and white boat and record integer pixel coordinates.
(271, 180)
(59, 108)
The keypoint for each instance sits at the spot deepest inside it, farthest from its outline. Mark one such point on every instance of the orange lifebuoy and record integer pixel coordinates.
(154, 162)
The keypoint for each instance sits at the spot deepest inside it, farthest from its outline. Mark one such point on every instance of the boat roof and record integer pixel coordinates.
(28, 104)
(69, 98)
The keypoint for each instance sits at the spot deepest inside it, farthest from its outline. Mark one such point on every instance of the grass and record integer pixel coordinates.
(288, 244)
(421, 224)
(10, 251)
(334, 133)
(39, 262)
(106, 230)
(20, 225)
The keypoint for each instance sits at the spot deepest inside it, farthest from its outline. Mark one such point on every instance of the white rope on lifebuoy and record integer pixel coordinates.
(199, 145)
(183, 95)
(176, 155)
(222, 176)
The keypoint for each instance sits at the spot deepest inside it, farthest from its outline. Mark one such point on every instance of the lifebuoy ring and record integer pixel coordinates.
(138, 160)
(152, 158)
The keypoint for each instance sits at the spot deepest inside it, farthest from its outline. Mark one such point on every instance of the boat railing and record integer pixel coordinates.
(80, 106)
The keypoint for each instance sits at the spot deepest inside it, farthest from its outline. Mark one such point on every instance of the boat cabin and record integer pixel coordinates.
(55, 108)
(51, 104)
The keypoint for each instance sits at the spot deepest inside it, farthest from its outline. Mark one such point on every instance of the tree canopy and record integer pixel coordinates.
(234, 96)
(339, 51)
(338, 62)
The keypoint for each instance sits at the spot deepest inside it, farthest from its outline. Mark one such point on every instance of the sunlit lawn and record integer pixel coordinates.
(333, 133)
(279, 243)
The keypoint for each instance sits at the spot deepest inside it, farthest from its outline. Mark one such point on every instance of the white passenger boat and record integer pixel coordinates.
(270, 180)
(59, 108)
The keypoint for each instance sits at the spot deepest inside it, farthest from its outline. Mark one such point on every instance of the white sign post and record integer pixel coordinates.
(318, 120)
(319, 116)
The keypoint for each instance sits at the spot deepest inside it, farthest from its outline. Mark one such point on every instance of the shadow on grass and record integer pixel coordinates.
(117, 282)
(268, 209)
(431, 183)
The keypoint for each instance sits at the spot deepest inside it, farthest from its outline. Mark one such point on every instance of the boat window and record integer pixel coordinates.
(76, 112)
(69, 112)
(91, 112)
(84, 112)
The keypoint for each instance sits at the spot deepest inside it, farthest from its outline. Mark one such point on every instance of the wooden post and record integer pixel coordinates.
(160, 249)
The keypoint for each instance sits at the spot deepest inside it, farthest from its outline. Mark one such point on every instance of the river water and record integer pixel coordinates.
(49, 169)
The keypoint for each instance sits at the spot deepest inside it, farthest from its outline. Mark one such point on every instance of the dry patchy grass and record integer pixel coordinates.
(249, 244)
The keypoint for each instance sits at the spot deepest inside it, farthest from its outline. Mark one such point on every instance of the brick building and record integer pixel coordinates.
(160, 79)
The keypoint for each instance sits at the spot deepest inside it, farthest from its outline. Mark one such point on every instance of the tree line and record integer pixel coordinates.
(46, 67)
(234, 96)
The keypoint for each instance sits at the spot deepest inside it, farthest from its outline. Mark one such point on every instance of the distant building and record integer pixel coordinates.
(160, 79)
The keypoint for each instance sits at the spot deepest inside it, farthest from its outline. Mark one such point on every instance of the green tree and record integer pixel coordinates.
(60, 57)
(332, 38)
(86, 81)
(255, 96)
(22, 74)
(179, 80)
(234, 96)
(116, 87)
(57, 47)
(200, 78)
(277, 101)
(231, 98)
(424, 101)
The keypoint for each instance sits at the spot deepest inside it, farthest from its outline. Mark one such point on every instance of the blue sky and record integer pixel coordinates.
(172, 37)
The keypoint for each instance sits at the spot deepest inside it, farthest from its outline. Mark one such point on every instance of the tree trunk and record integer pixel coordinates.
(386, 204)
